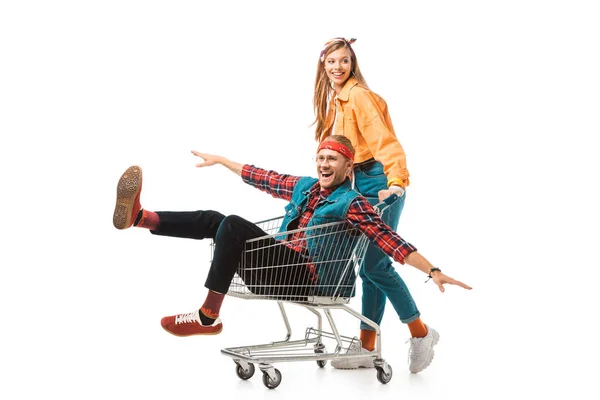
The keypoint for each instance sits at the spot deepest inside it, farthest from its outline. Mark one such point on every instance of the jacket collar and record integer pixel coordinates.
(345, 93)
(341, 190)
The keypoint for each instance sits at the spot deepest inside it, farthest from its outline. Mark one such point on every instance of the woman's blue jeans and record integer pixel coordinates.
(380, 280)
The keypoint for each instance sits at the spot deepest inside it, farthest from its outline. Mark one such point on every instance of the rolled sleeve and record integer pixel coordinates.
(364, 217)
(280, 186)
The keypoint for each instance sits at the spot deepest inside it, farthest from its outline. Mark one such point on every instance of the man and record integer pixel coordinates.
(312, 201)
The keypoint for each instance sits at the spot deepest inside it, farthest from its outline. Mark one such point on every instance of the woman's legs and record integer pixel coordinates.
(380, 280)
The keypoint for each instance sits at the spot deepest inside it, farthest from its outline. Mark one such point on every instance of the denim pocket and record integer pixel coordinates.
(370, 179)
(372, 169)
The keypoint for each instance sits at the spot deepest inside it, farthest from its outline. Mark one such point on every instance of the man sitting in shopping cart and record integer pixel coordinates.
(312, 201)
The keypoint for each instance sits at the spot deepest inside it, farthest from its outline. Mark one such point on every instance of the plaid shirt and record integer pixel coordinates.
(360, 214)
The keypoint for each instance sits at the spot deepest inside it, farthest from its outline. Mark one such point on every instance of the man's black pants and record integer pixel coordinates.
(230, 233)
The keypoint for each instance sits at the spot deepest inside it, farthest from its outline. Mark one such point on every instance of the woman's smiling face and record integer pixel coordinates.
(338, 65)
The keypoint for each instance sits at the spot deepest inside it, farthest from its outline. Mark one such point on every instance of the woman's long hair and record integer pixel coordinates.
(324, 91)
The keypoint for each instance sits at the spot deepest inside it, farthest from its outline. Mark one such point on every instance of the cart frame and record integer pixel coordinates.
(312, 347)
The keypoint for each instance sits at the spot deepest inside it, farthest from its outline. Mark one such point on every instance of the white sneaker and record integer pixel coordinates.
(421, 350)
(354, 363)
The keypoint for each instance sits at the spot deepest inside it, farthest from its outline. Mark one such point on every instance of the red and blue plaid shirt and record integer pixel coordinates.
(360, 214)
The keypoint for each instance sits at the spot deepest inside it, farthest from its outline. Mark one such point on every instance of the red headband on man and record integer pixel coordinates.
(340, 148)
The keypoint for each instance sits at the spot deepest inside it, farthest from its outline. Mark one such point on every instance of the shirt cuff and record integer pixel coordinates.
(397, 182)
(247, 172)
(397, 190)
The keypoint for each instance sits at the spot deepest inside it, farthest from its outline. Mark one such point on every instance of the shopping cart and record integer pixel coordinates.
(319, 274)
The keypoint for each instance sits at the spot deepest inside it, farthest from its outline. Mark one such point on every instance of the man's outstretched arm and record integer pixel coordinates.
(277, 185)
(362, 215)
(210, 160)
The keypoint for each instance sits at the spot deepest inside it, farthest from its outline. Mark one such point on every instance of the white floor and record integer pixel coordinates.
(96, 335)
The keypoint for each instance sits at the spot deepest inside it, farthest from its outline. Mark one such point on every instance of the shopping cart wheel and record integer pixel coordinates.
(382, 376)
(272, 383)
(244, 373)
(320, 349)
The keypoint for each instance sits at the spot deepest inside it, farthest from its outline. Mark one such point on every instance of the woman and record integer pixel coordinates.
(344, 105)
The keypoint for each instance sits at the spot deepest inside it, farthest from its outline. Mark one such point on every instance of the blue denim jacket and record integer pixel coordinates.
(329, 248)
(332, 209)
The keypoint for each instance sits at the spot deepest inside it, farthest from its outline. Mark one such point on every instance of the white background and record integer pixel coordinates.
(496, 104)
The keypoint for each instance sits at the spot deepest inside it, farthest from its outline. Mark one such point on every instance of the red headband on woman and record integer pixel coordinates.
(340, 148)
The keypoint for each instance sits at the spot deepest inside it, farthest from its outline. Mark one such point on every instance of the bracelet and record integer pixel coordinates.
(431, 271)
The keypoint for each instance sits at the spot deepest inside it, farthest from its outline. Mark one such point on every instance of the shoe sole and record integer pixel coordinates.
(128, 188)
(354, 363)
(347, 367)
(436, 339)
(195, 334)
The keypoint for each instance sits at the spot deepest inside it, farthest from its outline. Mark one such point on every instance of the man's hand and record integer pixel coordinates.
(440, 279)
(209, 159)
(421, 263)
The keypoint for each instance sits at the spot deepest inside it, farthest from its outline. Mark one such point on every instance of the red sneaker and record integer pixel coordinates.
(189, 324)
(128, 198)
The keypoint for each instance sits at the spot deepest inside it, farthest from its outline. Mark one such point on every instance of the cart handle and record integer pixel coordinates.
(383, 205)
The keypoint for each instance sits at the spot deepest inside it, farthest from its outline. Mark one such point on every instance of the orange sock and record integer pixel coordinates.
(147, 219)
(367, 337)
(417, 328)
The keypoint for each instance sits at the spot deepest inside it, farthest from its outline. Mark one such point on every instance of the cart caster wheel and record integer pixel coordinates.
(320, 350)
(242, 373)
(272, 383)
(382, 376)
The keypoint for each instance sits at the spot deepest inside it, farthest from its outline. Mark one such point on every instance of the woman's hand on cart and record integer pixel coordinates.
(394, 189)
